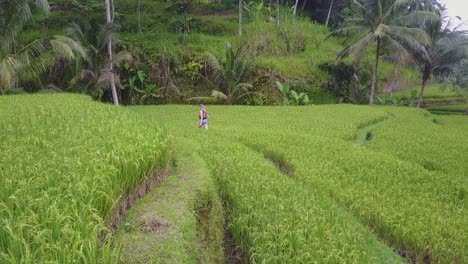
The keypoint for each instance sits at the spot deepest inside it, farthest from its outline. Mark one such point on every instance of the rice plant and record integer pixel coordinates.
(407, 185)
(65, 162)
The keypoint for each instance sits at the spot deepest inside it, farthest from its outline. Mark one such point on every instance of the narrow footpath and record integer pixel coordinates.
(180, 221)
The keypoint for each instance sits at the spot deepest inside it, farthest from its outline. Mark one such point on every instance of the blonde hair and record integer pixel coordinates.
(202, 108)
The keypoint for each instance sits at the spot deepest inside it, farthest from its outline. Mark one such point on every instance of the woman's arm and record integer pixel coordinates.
(200, 117)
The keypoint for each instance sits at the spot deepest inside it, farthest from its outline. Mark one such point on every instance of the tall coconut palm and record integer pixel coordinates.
(329, 13)
(110, 20)
(446, 50)
(240, 17)
(277, 13)
(425, 5)
(138, 11)
(27, 62)
(385, 23)
(94, 74)
(459, 80)
(295, 8)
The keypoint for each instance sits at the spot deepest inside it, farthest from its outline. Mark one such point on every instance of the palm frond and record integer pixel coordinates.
(242, 87)
(70, 46)
(8, 67)
(122, 57)
(86, 74)
(416, 35)
(217, 68)
(356, 49)
(416, 19)
(380, 31)
(13, 17)
(395, 50)
(61, 50)
(33, 66)
(219, 95)
(351, 31)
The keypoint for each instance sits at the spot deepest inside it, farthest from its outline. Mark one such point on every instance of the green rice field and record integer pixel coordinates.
(311, 184)
(66, 161)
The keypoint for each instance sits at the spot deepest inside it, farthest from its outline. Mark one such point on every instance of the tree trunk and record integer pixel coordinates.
(109, 51)
(277, 13)
(240, 17)
(374, 78)
(139, 17)
(425, 77)
(421, 95)
(304, 4)
(113, 10)
(295, 7)
(329, 13)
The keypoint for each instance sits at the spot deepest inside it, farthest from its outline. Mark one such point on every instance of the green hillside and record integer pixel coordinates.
(176, 61)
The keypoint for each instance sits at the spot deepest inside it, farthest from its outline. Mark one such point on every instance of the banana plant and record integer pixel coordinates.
(299, 99)
(284, 89)
(291, 97)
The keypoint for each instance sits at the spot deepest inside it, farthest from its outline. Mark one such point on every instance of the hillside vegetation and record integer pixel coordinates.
(174, 66)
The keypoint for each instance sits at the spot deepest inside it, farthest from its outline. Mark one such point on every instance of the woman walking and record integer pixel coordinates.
(203, 117)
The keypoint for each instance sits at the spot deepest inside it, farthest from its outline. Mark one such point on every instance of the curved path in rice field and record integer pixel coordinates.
(180, 221)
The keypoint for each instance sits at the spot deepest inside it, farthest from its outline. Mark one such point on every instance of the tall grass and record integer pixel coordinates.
(65, 162)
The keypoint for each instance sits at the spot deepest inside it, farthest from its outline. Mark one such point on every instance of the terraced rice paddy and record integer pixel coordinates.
(402, 193)
(298, 186)
(65, 163)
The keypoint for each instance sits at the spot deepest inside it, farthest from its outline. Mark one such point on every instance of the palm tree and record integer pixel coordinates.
(329, 13)
(459, 80)
(229, 75)
(295, 8)
(94, 74)
(384, 22)
(110, 19)
(443, 55)
(138, 10)
(277, 13)
(240, 17)
(28, 62)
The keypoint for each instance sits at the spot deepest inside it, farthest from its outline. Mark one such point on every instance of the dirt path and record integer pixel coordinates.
(180, 221)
